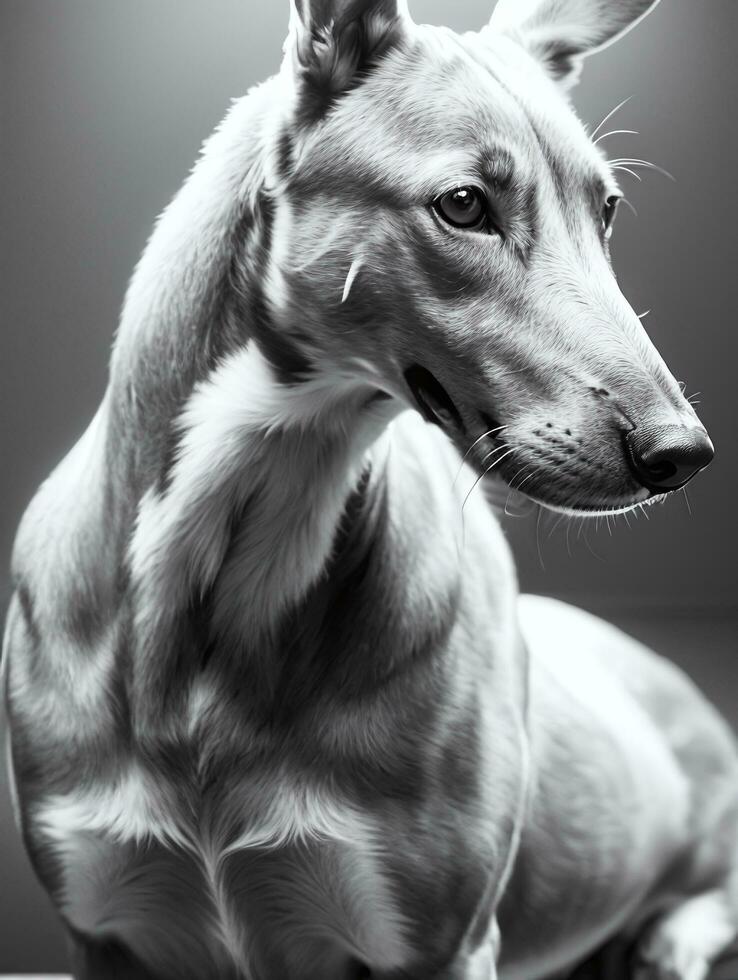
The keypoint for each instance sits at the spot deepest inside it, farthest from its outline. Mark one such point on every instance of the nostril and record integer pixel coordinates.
(667, 457)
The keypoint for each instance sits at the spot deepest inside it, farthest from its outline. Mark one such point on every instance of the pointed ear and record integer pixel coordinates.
(561, 33)
(333, 43)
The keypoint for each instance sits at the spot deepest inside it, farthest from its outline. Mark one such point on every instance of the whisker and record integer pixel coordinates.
(476, 442)
(686, 497)
(484, 435)
(555, 525)
(471, 489)
(610, 114)
(538, 539)
(589, 545)
(515, 487)
(614, 132)
(641, 316)
(635, 162)
(627, 171)
(488, 470)
(628, 205)
(506, 509)
(512, 481)
(504, 445)
(522, 482)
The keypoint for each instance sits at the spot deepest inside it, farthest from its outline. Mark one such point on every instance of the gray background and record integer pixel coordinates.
(103, 107)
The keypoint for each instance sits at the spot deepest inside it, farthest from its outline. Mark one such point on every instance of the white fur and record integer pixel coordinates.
(296, 810)
(684, 943)
(46, 546)
(70, 699)
(136, 808)
(132, 808)
(199, 222)
(226, 460)
(275, 288)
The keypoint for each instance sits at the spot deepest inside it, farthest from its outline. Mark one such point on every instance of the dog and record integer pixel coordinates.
(277, 710)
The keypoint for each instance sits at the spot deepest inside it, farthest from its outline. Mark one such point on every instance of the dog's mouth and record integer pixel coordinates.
(434, 402)
(550, 488)
(438, 407)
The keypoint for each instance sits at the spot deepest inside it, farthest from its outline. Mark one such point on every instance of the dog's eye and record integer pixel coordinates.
(608, 214)
(463, 207)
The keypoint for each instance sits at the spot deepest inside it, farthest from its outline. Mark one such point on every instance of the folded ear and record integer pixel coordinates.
(560, 33)
(332, 43)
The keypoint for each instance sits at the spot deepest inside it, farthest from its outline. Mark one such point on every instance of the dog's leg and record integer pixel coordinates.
(683, 944)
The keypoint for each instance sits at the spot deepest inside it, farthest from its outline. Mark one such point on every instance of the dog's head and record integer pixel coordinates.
(441, 233)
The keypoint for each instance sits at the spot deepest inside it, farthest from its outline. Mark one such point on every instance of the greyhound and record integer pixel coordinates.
(276, 711)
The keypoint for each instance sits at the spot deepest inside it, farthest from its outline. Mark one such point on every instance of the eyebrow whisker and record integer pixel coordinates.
(614, 132)
(628, 171)
(636, 162)
(610, 114)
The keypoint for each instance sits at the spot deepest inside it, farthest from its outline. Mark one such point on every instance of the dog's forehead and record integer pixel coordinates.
(542, 121)
(439, 104)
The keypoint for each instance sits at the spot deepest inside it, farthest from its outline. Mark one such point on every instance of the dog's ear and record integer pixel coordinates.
(333, 43)
(560, 33)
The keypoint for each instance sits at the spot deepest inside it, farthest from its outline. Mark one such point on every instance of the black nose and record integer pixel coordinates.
(666, 457)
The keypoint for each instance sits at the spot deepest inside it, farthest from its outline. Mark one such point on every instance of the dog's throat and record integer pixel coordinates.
(434, 402)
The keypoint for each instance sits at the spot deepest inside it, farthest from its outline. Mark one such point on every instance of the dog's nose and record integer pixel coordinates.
(666, 457)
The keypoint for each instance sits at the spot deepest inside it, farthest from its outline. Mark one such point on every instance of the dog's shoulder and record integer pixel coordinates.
(61, 565)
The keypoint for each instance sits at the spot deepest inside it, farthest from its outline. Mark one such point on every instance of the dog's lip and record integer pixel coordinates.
(434, 402)
(595, 509)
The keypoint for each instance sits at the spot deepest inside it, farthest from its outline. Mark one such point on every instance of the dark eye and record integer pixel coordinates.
(608, 214)
(463, 207)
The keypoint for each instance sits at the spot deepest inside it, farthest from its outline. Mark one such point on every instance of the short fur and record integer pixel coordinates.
(277, 709)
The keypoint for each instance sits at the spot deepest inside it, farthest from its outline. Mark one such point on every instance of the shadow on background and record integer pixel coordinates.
(103, 108)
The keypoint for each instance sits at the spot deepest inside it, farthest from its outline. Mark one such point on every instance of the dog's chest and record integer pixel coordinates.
(266, 875)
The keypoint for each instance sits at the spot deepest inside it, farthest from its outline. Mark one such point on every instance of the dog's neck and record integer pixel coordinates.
(239, 482)
(181, 314)
(231, 489)
(278, 497)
